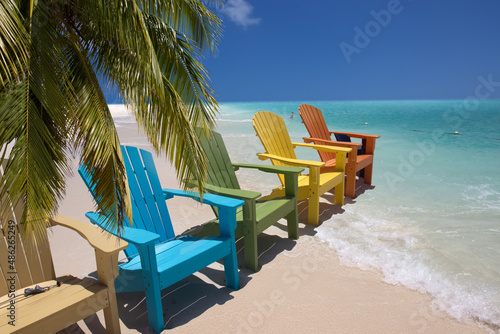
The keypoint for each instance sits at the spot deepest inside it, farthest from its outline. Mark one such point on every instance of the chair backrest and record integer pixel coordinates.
(220, 170)
(23, 261)
(315, 124)
(272, 132)
(148, 202)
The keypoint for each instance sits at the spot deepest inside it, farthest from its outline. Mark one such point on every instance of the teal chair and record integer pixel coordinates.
(157, 258)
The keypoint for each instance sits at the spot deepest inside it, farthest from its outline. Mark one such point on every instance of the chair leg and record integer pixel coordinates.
(111, 316)
(155, 309)
(250, 235)
(313, 210)
(350, 185)
(251, 252)
(107, 269)
(292, 220)
(313, 214)
(368, 174)
(231, 269)
(152, 287)
(339, 193)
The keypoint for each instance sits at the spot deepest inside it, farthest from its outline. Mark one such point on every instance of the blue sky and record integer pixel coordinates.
(296, 50)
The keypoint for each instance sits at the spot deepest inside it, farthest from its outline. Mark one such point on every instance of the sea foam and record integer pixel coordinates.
(397, 252)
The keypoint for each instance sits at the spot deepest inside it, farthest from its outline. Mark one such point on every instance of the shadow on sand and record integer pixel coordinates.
(194, 295)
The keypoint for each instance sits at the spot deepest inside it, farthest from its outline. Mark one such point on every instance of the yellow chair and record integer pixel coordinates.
(279, 148)
(65, 299)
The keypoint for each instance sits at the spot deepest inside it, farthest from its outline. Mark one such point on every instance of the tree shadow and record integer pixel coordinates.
(181, 302)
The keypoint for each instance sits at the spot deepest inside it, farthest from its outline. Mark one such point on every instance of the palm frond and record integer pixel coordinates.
(171, 124)
(13, 42)
(51, 102)
(96, 135)
(37, 164)
(192, 18)
(36, 123)
(168, 112)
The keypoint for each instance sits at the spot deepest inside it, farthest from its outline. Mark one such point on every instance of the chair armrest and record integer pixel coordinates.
(106, 245)
(234, 193)
(332, 143)
(135, 236)
(226, 207)
(271, 169)
(355, 135)
(368, 140)
(293, 162)
(324, 148)
(97, 238)
(210, 199)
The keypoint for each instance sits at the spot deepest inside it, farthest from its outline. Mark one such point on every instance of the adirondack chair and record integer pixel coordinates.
(164, 259)
(256, 215)
(274, 136)
(25, 263)
(357, 160)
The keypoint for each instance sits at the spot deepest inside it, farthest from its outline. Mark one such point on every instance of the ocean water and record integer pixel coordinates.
(432, 221)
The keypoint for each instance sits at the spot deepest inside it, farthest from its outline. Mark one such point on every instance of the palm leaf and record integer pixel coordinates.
(96, 135)
(51, 103)
(13, 43)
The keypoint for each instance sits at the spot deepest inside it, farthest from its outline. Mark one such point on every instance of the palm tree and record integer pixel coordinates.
(51, 104)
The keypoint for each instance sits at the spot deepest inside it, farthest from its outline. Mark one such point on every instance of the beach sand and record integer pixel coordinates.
(301, 287)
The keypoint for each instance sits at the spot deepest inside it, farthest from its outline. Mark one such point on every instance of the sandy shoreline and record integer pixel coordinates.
(301, 287)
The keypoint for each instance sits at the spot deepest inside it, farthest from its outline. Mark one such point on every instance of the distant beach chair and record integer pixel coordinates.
(60, 301)
(274, 136)
(256, 215)
(164, 259)
(361, 157)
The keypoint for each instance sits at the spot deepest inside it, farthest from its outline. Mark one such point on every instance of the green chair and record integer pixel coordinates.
(256, 215)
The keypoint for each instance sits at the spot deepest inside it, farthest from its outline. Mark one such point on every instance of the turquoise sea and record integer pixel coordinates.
(432, 221)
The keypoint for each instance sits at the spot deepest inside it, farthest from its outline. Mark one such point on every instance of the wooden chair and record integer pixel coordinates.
(26, 262)
(279, 148)
(164, 259)
(256, 215)
(361, 160)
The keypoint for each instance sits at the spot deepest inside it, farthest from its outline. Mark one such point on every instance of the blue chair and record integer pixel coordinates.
(157, 258)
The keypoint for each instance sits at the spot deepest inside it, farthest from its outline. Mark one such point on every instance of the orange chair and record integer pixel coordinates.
(314, 121)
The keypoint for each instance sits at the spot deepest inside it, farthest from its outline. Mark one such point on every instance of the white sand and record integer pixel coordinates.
(301, 287)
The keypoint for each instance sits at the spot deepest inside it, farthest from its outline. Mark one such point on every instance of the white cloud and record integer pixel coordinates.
(240, 12)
